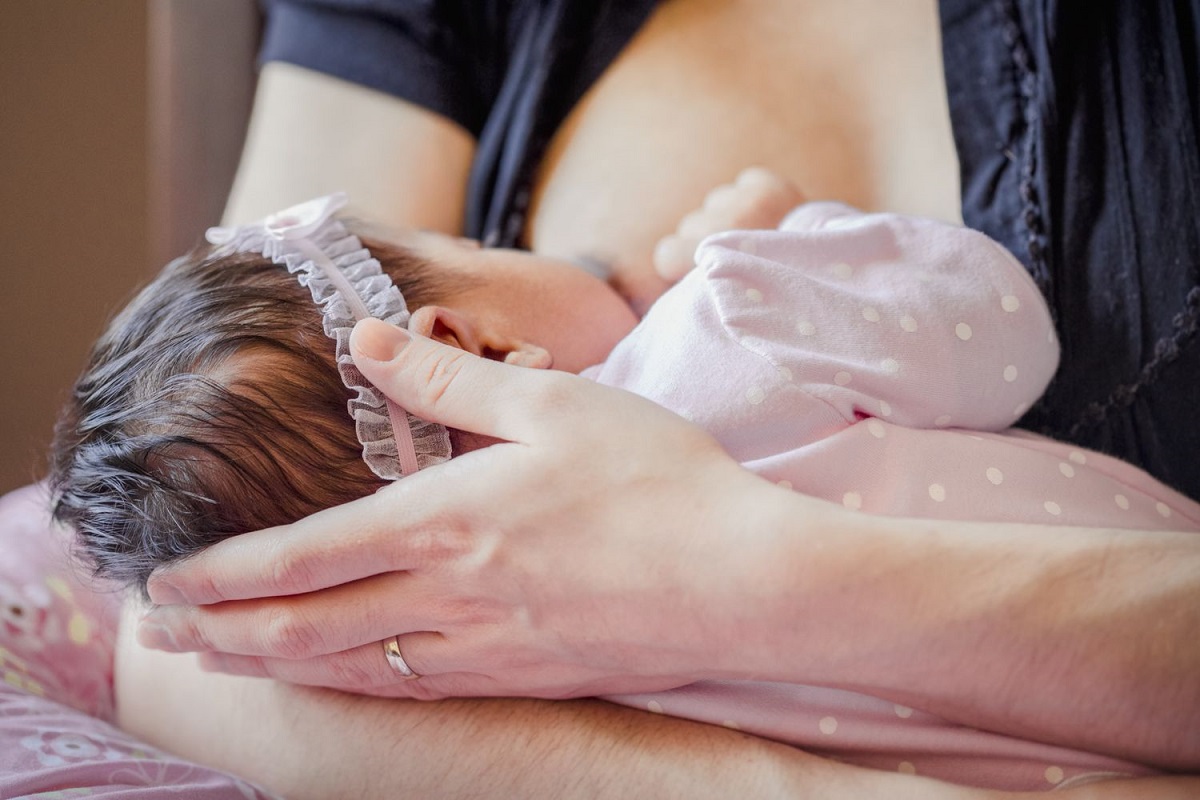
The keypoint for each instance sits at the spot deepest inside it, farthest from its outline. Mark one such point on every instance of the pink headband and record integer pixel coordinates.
(349, 285)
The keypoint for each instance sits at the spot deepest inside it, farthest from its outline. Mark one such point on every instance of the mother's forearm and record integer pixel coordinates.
(1080, 637)
(560, 749)
(585, 749)
(316, 743)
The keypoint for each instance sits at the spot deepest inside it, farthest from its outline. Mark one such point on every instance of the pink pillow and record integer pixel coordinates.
(57, 629)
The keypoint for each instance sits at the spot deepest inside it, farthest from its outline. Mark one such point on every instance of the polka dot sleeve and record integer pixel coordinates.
(924, 323)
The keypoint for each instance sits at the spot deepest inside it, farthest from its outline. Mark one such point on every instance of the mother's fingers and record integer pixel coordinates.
(365, 670)
(297, 627)
(289, 559)
(362, 670)
(337, 545)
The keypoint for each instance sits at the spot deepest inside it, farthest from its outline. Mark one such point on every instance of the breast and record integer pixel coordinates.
(847, 99)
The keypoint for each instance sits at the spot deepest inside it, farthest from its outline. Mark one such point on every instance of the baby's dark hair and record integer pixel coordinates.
(212, 406)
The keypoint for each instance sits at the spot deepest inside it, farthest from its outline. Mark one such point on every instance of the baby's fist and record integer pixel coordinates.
(757, 199)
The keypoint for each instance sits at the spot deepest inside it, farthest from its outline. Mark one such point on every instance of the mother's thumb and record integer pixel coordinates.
(377, 341)
(438, 382)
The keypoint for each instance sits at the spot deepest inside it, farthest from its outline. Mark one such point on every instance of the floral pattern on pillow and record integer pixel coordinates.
(57, 626)
(57, 632)
(49, 750)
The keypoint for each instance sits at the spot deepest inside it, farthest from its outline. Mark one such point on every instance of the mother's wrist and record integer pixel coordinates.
(792, 568)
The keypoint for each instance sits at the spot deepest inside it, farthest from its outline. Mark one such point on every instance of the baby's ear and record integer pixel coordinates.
(446, 326)
(460, 330)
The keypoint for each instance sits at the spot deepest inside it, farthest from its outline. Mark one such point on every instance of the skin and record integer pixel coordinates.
(521, 308)
(324, 744)
(844, 99)
(1022, 644)
(531, 310)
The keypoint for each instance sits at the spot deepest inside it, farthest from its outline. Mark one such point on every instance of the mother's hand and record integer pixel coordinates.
(579, 556)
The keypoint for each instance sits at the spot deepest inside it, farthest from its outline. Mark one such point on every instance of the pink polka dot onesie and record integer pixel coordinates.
(877, 361)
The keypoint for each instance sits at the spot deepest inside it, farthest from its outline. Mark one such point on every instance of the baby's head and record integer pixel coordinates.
(213, 405)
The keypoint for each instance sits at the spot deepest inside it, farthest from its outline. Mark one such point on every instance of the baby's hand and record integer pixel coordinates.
(758, 199)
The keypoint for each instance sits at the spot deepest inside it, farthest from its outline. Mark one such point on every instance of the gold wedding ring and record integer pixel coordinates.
(391, 649)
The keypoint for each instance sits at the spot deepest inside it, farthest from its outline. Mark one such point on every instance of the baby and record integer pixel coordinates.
(870, 359)
(214, 404)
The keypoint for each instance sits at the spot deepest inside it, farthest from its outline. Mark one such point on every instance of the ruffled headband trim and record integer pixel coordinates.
(349, 285)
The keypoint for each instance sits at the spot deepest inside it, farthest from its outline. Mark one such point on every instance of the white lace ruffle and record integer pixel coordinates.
(348, 284)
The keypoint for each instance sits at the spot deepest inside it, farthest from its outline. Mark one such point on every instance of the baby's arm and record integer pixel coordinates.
(757, 199)
(920, 322)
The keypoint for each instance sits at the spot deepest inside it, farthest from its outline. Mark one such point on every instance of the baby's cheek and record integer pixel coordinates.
(585, 325)
(614, 324)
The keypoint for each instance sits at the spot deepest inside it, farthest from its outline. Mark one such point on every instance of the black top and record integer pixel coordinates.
(1076, 128)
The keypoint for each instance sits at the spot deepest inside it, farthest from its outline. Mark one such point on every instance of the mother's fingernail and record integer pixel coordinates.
(164, 594)
(156, 637)
(377, 340)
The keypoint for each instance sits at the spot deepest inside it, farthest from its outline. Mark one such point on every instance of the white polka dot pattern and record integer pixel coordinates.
(796, 388)
(804, 371)
(890, 342)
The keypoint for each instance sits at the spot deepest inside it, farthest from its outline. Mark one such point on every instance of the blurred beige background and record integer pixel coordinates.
(120, 125)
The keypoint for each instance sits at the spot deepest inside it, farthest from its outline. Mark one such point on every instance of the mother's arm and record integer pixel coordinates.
(319, 743)
(312, 134)
(1079, 637)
